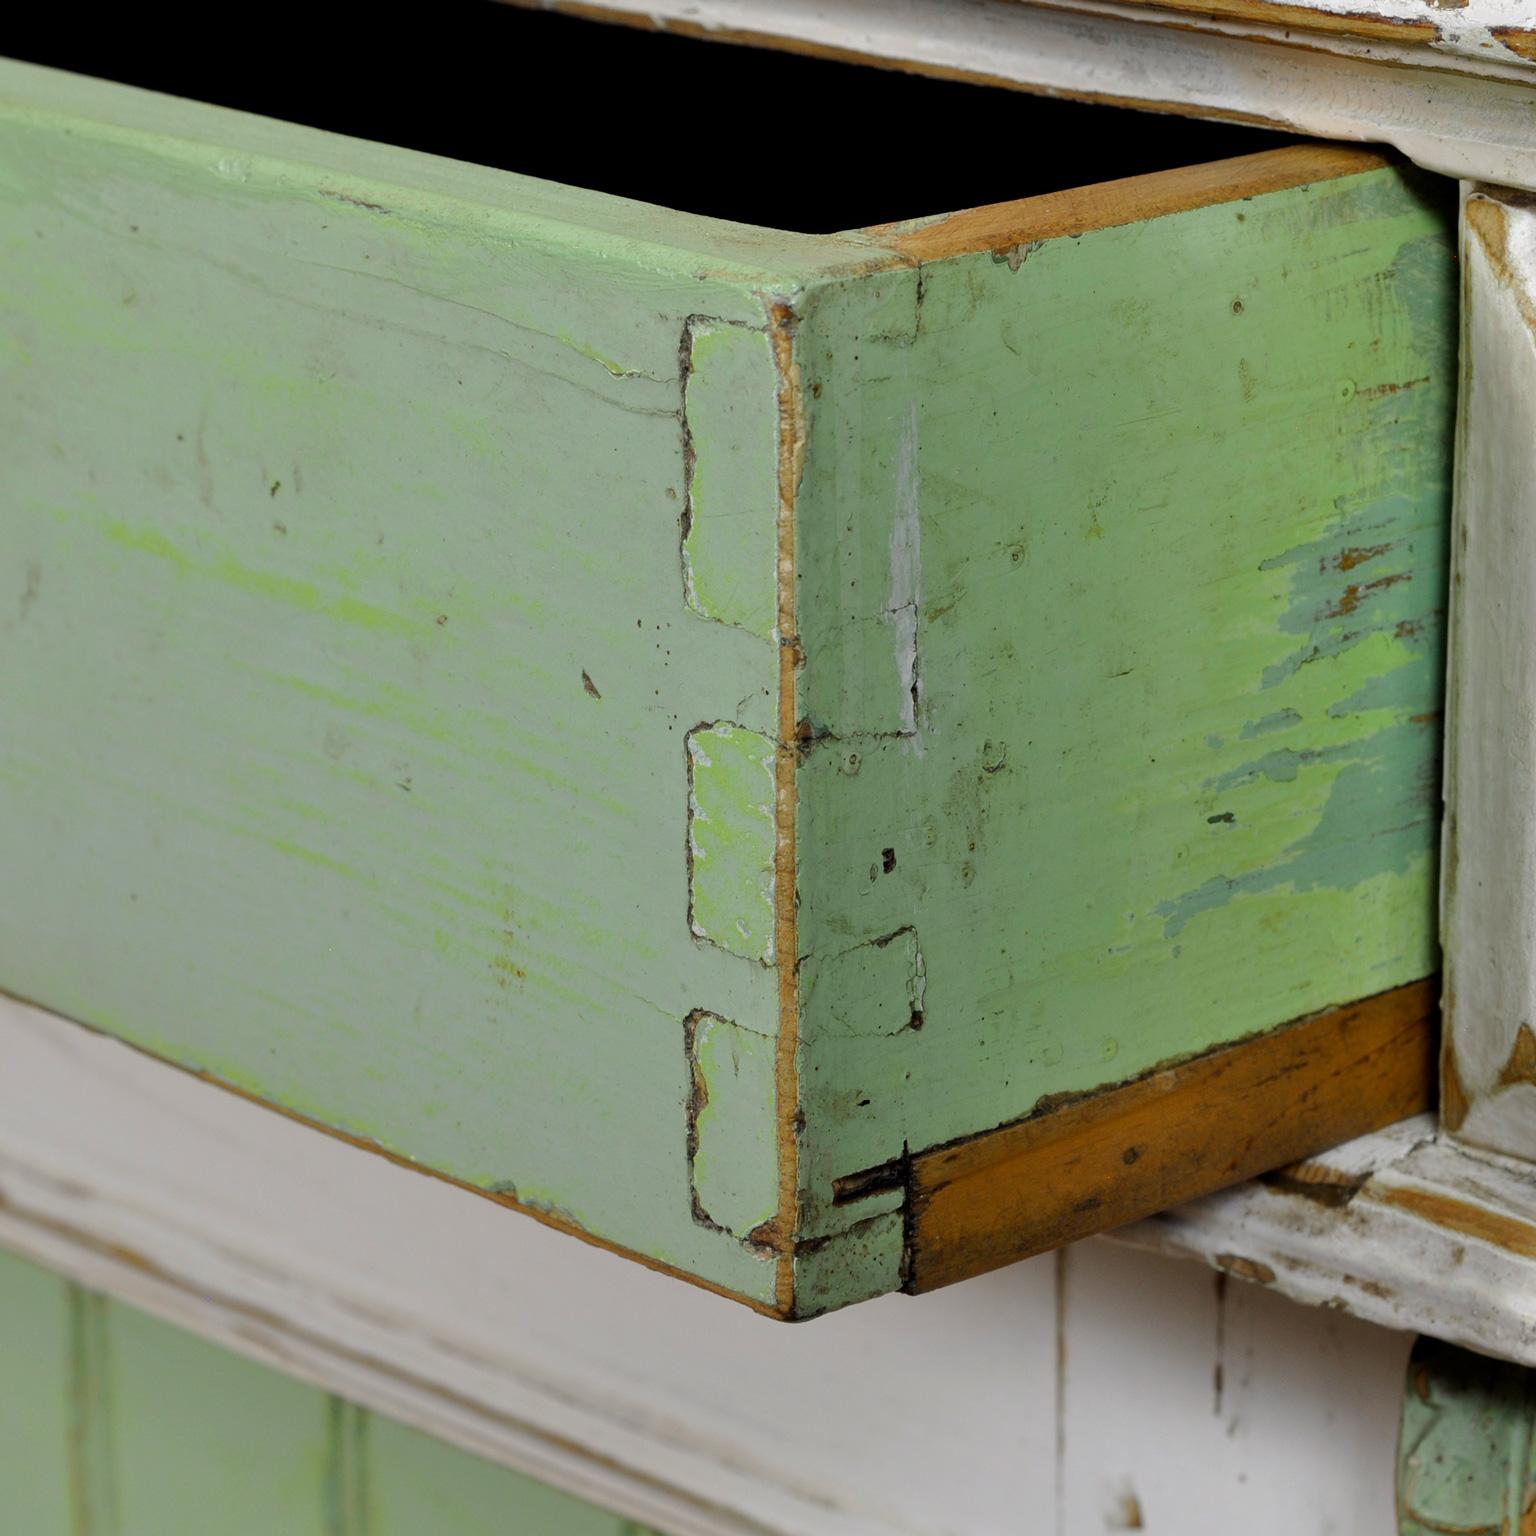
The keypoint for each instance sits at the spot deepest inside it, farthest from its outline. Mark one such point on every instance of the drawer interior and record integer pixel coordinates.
(741, 133)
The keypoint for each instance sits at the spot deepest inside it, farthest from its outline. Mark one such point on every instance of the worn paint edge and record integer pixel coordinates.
(1129, 200)
(786, 947)
(1037, 1153)
(1400, 42)
(1276, 13)
(545, 1217)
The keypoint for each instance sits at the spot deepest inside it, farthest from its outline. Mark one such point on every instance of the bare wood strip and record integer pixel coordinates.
(1186, 1131)
(1131, 200)
(1308, 18)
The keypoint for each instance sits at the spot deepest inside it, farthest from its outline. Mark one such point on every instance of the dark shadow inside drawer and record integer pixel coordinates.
(802, 143)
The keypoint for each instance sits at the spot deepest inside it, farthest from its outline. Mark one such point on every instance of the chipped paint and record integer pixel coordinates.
(1380, 805)
(731, 839)
(1465, 1461)
(731, 1114)
(876, 988)
(904, 605)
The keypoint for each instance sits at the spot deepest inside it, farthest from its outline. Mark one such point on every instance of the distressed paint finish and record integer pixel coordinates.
(397, 730)
(1488, 1092)
(1467, 1451)
(1493, 36)
(39, 1459)
(1403, 1228)
(347, 658)
(165, 1433)
(1157, 765)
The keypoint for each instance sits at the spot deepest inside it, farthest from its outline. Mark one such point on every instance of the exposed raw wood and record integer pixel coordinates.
(1329, 18)
(1098, 1164)
(1457, 101)
(627, 1388)
(1406, 1228)
(1105, 205)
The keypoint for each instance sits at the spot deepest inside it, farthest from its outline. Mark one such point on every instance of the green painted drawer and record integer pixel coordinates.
(730, 741)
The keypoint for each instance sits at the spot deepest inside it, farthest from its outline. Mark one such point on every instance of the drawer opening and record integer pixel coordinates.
(748, 134)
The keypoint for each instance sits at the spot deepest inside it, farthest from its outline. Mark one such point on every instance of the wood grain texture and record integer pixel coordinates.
(352, 650)
(1000, 227)
(1489, 1065)
(1375, 24)
(1189, 1129)
(1407, 1228)
(1456, 101)
(1121, 715)
(467, 632)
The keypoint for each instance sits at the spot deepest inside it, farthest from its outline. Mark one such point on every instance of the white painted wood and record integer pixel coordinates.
(1465, 111)
(681, 1409)
(1489, 1076)
(1406, 1229)
(1230, 1415)
(965, 1413)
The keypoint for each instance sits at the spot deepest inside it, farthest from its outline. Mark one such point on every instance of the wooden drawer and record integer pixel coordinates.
(824, 762)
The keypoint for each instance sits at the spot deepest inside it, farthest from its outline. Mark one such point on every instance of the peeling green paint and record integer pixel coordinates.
(731, 839)
(354, 649)
(734, 1115)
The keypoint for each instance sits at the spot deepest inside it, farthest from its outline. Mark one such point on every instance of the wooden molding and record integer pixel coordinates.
(1115, 1157)
(1450, 88)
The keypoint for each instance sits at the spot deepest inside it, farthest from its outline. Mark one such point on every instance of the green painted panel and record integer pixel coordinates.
(389, 688)
(347, 662)
(195, 1430)
(1466, 1456)
(420, 1485)
(35, 1400)
(115, 1424)
(1121, 593)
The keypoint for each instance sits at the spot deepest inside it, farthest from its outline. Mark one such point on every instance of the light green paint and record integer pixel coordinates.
(421, 1485)
(201, 1438)
(731, 839)
(35, 1400)
(1466, 1455)
(368, 738)
(315, 515)
(734, 1116)
(730, 408)
(191, 1440)
(1170, 776)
